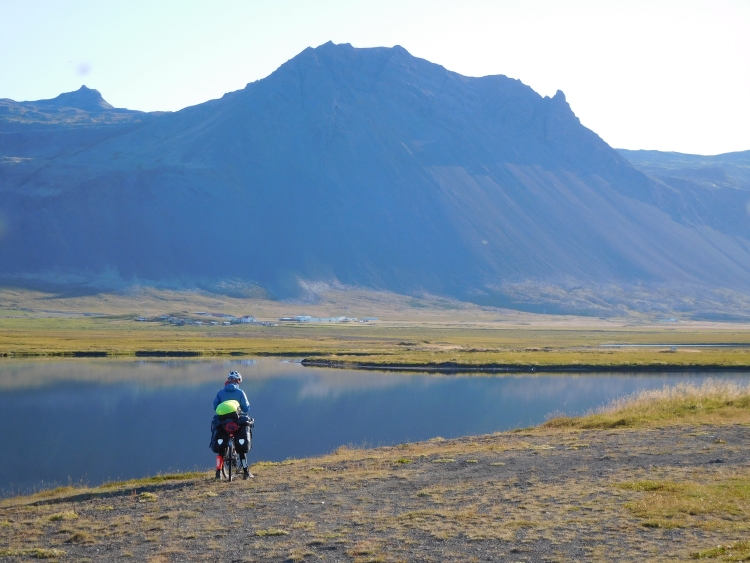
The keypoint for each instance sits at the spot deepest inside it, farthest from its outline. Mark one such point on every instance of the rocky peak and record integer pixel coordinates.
(84, 98)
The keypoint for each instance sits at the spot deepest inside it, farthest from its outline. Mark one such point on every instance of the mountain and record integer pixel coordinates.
(695, 189)
(84, 99)
(361, 167)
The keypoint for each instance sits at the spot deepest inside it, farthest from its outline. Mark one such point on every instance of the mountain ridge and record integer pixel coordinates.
(84, 98)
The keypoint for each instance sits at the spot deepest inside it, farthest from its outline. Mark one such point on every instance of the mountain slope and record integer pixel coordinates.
(695, 189)
(357, 166)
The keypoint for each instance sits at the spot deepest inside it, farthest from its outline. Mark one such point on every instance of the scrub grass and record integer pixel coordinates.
(712, 402)
(721, 504)
(737, 551)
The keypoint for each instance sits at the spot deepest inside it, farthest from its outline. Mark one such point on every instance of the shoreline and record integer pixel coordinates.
(150, 354)
(455, 367)
(308, 360)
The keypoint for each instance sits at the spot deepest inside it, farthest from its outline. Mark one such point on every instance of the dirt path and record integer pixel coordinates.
(538, 495)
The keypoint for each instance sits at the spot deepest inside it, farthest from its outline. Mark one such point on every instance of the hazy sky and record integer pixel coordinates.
(667, 75)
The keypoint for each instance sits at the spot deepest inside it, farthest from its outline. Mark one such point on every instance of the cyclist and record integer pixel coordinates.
(227, 399)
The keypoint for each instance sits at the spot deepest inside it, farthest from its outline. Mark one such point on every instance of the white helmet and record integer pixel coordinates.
(234, 376)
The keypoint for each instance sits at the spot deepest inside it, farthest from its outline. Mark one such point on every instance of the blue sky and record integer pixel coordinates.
(662, 74)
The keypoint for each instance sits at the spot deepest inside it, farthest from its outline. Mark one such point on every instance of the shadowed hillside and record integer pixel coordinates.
(361, 167)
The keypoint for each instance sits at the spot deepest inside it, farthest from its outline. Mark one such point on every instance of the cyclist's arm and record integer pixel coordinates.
(244, 404)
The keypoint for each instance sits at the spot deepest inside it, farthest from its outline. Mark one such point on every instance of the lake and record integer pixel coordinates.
(91, 421)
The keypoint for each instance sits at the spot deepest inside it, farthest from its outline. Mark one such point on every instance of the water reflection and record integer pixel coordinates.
(94, 421)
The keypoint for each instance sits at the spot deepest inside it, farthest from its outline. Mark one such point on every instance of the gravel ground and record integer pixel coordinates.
(533, 495)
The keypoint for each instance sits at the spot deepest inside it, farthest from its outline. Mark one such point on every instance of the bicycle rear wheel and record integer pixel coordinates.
(225, 465)
(230, 459)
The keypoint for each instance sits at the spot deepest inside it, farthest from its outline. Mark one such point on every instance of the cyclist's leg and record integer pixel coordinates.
(245, 466)
(221, 441)
(243, 445)
(219, 464)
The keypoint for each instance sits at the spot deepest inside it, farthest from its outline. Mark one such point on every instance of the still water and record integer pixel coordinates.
(90, 421)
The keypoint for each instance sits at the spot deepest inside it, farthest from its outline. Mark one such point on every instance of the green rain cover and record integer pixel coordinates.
(227, 407)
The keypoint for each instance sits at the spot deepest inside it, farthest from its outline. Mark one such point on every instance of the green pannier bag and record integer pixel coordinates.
(227, 407)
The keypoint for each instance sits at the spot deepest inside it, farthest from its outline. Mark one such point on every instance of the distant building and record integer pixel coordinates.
(299, 319)
(141, 319)
(247, 319)
(214, 322)
(309, 319)
(226, 323)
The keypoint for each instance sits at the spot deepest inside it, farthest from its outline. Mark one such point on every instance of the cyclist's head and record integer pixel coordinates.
(234, 377)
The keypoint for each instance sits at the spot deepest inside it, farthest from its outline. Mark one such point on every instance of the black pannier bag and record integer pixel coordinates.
(243, 439)
(217, 433)
(245, 433)
(243, 436)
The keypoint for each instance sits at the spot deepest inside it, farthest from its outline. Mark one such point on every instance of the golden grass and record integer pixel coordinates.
(723, 503)
(714, 401)
(154, 479)
(524, 353)
(33, 552)
(68, 515)
(271, 532)
(81, 538)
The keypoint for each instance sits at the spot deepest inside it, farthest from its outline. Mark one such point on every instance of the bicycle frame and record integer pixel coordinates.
(228, 460)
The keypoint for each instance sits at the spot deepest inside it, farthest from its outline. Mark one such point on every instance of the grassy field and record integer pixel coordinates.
(671, 484)
(409, 332)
